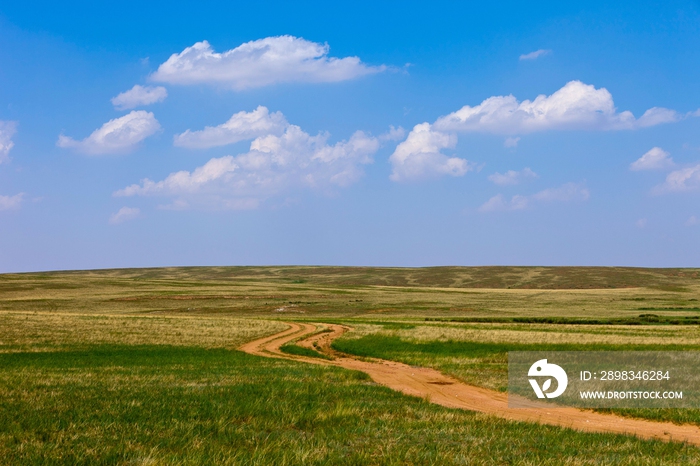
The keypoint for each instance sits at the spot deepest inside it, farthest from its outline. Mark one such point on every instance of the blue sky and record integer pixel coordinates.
(371, 133)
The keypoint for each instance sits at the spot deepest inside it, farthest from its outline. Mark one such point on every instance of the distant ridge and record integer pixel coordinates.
(501, 277)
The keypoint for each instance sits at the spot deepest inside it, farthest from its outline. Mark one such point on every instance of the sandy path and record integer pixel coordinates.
(447, 391)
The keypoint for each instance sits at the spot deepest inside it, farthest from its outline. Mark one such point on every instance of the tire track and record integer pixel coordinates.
(446, 391)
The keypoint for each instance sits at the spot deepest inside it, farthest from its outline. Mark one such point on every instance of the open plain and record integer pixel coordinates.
(145, 366)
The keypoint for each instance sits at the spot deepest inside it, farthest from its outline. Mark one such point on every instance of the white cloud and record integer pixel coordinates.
(139, 96)
(655, 159)
(534, 55)
(184, 181)
(273, 164)
(394, 134)
(241, 126)
(657, 116)
(693, 220)
(117, 135)
(511, 142)
(641, 223)
(11, 202)
(575, 106)
(124, 214)
(259, 63)
(512, 177)
(419, 156)
(566, 193)
(498, 203)
(7, 130)
(685, 179)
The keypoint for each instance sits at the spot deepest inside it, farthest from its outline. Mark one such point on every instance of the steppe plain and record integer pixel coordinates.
(143, 366)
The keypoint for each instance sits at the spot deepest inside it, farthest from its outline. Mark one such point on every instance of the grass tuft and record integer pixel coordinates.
(301, 351)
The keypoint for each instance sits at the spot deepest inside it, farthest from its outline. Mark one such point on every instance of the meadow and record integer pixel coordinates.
(141, 366)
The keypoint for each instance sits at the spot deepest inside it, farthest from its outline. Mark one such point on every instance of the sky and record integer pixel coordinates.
(137, 134)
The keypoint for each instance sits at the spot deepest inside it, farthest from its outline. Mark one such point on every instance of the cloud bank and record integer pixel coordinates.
(7, 130)
(116, 136)
(259, 63)
(139, 96)
(276, 162)
(576, 106)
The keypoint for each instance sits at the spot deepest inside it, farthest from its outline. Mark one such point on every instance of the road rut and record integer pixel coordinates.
(447, 391)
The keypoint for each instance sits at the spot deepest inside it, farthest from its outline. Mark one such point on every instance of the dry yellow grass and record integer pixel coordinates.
(490, 370)
(540, 333)
(22, 331)
(359, 292)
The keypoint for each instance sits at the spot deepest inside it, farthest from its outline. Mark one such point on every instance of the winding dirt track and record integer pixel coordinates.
(447, 391)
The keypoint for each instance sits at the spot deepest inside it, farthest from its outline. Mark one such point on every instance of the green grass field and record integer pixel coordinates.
(140, 366)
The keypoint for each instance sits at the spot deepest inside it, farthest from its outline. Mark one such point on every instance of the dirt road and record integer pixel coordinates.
(447, 391)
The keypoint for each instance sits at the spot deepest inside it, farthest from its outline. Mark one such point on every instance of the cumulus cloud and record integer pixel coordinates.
(274, 163)
(574, 106)
(241, 126)
(655, 159)
(420, 156)
(117, 135)
(11, 202)
(683, 180)
(281, 59)
(534, 55)
(139, 96)
(124, 214)
(512, 177)
(184, 181)
(7, 130)
(566, 193)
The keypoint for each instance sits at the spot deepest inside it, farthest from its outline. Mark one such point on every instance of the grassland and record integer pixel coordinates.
(361, 292)
(140, 367)
(478, 353)
(182, 405)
